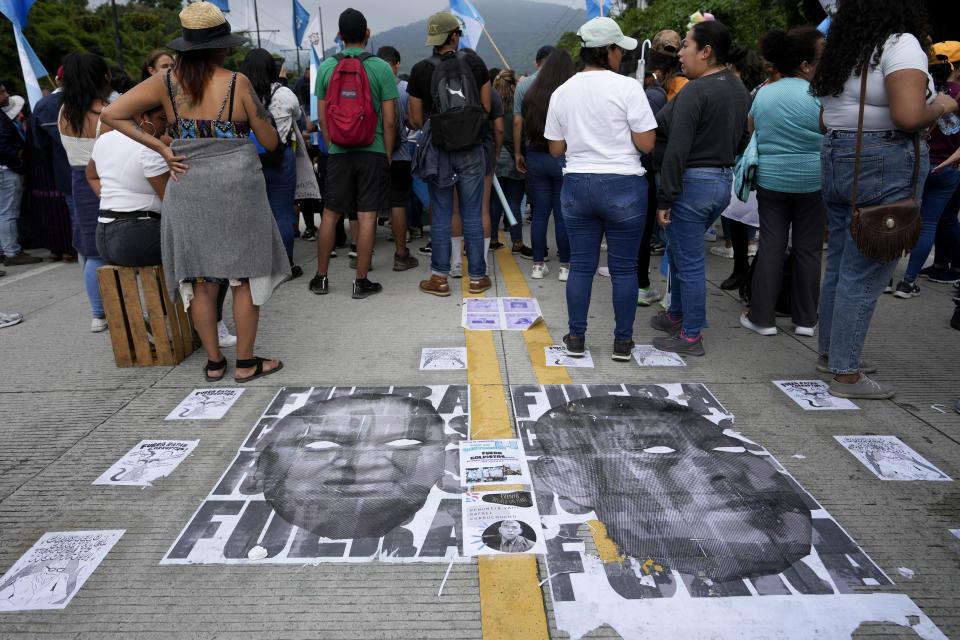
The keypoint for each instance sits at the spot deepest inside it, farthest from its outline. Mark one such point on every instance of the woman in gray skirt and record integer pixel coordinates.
(216, 224)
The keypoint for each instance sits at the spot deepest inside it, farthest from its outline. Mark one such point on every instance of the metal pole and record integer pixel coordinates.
(320, 17)
(256, 19)
(116, 33)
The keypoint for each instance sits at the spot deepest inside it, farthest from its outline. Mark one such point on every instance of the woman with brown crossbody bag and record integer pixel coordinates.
(876, 97)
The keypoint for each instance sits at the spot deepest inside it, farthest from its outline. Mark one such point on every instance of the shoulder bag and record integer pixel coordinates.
(886, 231)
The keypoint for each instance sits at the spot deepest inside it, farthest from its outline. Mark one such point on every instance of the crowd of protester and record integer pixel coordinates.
(638, 157)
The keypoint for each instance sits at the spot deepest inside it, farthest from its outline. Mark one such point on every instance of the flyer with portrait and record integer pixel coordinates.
(500, 314)
(496, 522)
(486, 462)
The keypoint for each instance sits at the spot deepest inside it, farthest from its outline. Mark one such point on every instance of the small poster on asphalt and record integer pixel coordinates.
(51, 572)
(495, 314)
(149, 460)
(890, 459)
(205, 404)
(556, 356)
(496, 522)
(485, 462)
(813, 395)
(648, 356)
(443, 359)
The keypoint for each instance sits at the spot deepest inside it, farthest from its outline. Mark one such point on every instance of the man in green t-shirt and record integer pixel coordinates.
(358, 178)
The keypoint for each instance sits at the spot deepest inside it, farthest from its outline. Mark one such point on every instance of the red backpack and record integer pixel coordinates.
(348, 107)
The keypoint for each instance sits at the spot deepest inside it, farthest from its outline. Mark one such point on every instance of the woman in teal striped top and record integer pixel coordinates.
(786, 120)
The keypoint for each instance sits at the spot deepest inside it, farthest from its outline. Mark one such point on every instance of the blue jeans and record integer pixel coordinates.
(545, 174)
(705, 194)
(89, 266)
(852, 282)
(938, 190)
(469, 167)
(11, 192)
(513, 191)
(596, 205)
(281, 187)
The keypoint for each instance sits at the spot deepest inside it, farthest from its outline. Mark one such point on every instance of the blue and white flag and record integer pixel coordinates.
(470, 21)
(223, 5)
(311, 33)
(598, 8)
(314, 78)
(337, 41)
(301, 17)
(16, 11)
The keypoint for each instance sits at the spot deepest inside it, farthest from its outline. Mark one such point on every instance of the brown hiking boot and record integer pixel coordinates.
(481, 285)
(21, 258)
(437, 285)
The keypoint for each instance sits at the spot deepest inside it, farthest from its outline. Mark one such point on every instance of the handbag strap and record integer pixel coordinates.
(856, 163)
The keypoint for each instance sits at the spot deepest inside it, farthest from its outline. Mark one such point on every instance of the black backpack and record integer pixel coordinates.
(458, 115)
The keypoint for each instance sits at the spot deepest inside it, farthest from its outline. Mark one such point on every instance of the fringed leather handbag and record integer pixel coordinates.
(887, 231)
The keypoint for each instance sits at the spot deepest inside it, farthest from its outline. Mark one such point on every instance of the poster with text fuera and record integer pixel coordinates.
(710, 536)
(339, 474)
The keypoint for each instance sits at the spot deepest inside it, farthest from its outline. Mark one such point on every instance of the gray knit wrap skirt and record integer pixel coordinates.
(217, 221)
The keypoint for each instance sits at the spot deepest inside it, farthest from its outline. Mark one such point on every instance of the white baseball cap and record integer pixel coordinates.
(600, 32)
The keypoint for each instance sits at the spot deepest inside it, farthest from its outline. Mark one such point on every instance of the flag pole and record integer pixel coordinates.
(320, 18)
(495, 47)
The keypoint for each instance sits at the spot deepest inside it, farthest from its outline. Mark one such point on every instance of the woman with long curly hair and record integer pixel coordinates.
(545, 172)
(881, 38)
(86, 87)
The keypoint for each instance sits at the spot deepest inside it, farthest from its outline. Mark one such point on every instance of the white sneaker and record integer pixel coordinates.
(456, 270)
(752, 249)
(647, 297)
(604, 271)
(564, 274)
(226, 338)
(804, 331)
(98, 324)
(723, 252)
(539, 270)
(10, 319)
(710, 235)
(748, 324)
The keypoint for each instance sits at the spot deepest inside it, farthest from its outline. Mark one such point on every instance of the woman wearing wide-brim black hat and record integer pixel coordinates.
(216, 224)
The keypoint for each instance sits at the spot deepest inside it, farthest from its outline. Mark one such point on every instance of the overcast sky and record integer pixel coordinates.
(381, 14)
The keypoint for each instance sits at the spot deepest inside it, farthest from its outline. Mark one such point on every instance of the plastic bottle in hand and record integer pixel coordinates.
(949, 123)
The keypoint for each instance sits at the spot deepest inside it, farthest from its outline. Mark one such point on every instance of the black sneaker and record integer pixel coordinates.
(622, 350)
(679, 344)
(663, 322)
(405, 261)
(574, 346)
(945, 276)
(657, 249)
(426, 249)
(309, 234)
(319, 284)
(889, 287)
(932, 269)
(364, 288)
(496, 245)
(524, 251)
(353, 251)
(295, 271)
(906, 290)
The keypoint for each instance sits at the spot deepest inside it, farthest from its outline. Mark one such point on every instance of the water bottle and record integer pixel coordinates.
(949, 123)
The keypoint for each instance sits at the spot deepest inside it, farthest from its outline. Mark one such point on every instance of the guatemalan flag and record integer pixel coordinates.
(597, 8)
(300, 19)
(471, 21)
(223, 5)
(16, 11)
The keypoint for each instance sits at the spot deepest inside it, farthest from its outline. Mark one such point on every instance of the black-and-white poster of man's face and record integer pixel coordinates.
(671, 486)
(354, 466)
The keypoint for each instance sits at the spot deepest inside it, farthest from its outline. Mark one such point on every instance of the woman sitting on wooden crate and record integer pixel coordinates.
(129, 179)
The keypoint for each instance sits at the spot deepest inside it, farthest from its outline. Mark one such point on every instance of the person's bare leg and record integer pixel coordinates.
(246, 316)
(365, 233)
(353, 232)
(398, 223)
(326, 235)
(203, 311)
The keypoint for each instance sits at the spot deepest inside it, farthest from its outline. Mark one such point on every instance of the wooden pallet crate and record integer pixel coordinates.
(136, 313)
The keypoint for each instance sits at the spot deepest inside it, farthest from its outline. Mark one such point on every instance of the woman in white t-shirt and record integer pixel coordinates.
(602, 122)
(884, 36)
(129, 179)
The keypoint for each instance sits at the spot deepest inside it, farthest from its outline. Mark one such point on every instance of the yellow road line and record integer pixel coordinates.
(511, 603)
